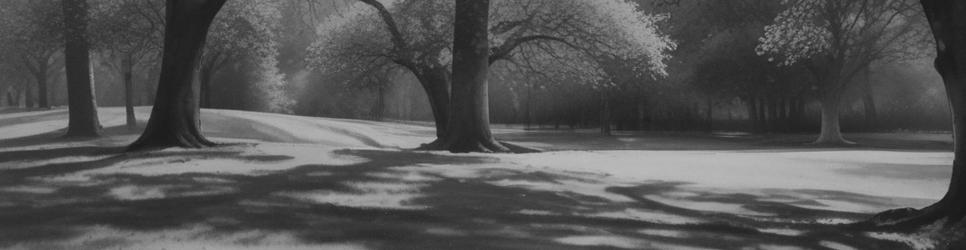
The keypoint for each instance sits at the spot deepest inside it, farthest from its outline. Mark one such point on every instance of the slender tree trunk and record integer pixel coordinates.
(377, 110)
(127, 66)
(641, 115)
(77, 62)
(11, 99)
(469, 126)
(831, 133)
(175, 120)
(710, 113)
(28, 96)
(868, 101)
(752, 113)
(43, 99)
(605, 110)
(529, 118)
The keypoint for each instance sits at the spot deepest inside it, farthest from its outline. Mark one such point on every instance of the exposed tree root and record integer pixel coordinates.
(494, 147)
(182, 140)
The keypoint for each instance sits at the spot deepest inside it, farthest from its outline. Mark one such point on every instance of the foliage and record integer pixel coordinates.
(573, 34)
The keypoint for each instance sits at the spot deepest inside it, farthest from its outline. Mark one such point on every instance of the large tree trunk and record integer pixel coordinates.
(175, 117)
(127, 66)
(831, 133)
(949, 29)
(80, 90)
(469, 124)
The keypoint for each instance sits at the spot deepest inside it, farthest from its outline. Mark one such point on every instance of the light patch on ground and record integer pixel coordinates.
(835, 245)
(820, 170)
(834, 221)
(649, 216)
(404, 176)
(845, 206)
(194, 237)
(618, 242)
(535, 212)
(301, 155)
(916, 241)
(578, 187)
(782, 231)
(29, 189)
(706, 206)
(444, 231)
(776, 247)
(132, 192)
(664, 233)
(49, 161)
(367, 195)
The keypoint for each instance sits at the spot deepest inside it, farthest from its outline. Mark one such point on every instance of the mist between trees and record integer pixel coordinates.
(609, 65)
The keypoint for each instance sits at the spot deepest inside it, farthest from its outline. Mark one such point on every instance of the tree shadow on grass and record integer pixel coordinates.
(396, 199)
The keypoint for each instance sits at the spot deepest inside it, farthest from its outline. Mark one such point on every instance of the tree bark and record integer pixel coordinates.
(831, 133)
(868, 101)
(43, 100)
(469, 123)
(82, 107)
(436, 82)
(127, 66)
(949, 29)
(175, 117)
(605, 110)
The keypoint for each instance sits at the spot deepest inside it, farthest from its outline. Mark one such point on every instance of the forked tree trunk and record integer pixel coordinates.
(77, 62)
(127, 66)
(831, 133)
(469, 123)
(436, 82)
(175, 117)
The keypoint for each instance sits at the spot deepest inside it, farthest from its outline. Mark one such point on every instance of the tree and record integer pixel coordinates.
(836, 40)
(82, 107)
(948, 26)
(129, 33)
(35, 33)
(175, 117)
(414, 35)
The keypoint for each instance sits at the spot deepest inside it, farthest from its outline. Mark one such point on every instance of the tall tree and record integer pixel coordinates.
(836, 40)
(948, 26)
(175, 120)
(415, 35)
(469, 124)
(82, 107)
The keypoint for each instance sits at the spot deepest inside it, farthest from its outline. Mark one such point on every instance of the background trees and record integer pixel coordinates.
(35, 38)
(836, 40)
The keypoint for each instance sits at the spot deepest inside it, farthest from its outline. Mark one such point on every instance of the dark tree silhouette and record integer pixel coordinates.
(80, 92)
(948, 26)
(175, 120)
